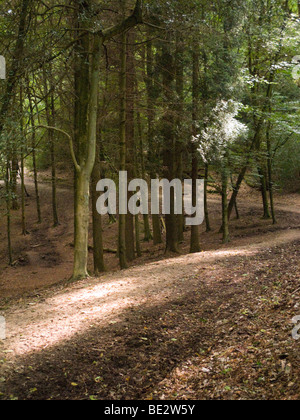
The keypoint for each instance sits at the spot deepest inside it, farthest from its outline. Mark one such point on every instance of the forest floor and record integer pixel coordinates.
(213, 325)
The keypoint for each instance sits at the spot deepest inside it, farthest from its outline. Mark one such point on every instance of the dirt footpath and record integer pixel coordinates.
(210, 325)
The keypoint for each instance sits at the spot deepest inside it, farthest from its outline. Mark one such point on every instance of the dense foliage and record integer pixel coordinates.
(160, 88)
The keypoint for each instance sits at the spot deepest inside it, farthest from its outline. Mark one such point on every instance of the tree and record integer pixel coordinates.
(87, 140)
(222, 130)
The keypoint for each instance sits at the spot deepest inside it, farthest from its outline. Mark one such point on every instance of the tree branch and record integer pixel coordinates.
(135, 19)
(76, 164)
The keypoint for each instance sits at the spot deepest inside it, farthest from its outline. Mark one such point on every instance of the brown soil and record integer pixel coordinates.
(214, 325)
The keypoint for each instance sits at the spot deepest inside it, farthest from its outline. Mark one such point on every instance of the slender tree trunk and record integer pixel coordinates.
(130, 139)
(157, 237)
(50, 113)
(81, 89)
(225, 225)
(237, 211)
(84, 171)
(82, 219)
(254, 144)
(24, 230)
(236, 190)
(235, 204)
(53, 166)
(137, 236)
(87, 71)
(147, 230)
(195, 245)
(137, 218)
(33, 152)
(264, 193)
(168, 134)
(22, 169)
(122, 217)
(13, 76)
(14, 175)
(207, 221)
(270, 173)
(8, 214)
(87, 88)
(11, 83)
(98, 253)
(180, 47)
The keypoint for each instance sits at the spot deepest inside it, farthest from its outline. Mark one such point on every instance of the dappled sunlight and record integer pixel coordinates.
(102, 301)
(149, 201)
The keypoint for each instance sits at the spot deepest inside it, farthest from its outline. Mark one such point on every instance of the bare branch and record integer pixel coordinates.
(76, 164)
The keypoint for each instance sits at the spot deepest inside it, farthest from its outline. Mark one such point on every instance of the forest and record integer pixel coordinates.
(147, 305)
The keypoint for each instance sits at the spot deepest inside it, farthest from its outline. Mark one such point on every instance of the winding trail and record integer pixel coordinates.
(42, 326)
(60, 313)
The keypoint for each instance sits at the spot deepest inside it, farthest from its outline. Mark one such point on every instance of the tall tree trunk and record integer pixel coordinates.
(82, 226)
(138, 142)
(254, 145)
(206, 212)
(130, 139)
(84, 170)
(8, 210)
(87, 78)
(81, 89)
(122, 217)
(168, 134)
(13, 74)
(235, 204)
(14, 176)
(157, 237)
(264, 192)
(24, 230)
(225, 220)
(98, 253)
(22, 169)
(33, 153)
(180, 48)
(50, 114)
(53, 165)
(137, 236)
(147, 230)
(195, 245)
(11, 83)
(270, 173)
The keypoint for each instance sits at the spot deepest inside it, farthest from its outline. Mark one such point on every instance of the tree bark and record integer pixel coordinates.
(87, 78)
(264, 193)
(270, 173)
(168, 134)
(33, 152)
(130, 139)
(8, 214)
(84, 171)
(50, 114)
(12, 79)
(207, 221)
(98, 252)
(22, 169)
(122, 217)
(180, 47)
(225, 225)
(195, 245)
(157, 237)
(147, 230)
